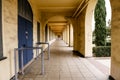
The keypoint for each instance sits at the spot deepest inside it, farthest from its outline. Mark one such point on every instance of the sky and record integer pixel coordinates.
(108, 10)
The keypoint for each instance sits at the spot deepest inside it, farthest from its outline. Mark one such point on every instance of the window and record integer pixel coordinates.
(1, 44)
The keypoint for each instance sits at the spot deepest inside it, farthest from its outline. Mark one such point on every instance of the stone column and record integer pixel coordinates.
(67, 32)
(88, 27)
(71, 35)
(74, 23)
(115, 48)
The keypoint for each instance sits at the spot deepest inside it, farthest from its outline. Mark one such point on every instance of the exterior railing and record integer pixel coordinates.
(38, 43)
(27, 48)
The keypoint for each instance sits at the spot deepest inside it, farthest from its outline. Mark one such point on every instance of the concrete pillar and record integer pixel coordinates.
(115, 48)
(64, 35)
(48, 34)
(81, 33)
(88, 27)
(67, 34)
(82, 30)
(74, 23)
(71, 35)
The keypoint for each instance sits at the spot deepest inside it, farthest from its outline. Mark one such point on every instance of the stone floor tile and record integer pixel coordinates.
(28, 79)
(63, 65)
(79, 78)
(66, 78)
(41, 78)
(53, 78)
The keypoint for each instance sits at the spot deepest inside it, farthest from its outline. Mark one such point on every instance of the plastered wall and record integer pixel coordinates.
(9, 30)
(115, 62)
(10, 35)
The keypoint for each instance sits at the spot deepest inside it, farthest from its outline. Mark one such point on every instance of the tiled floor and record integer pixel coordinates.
(63, 65)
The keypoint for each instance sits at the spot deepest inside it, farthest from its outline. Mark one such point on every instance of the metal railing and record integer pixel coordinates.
(38, 43)
(27, 48)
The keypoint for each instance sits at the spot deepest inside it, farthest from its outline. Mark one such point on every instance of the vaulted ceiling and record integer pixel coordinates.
(58, 9)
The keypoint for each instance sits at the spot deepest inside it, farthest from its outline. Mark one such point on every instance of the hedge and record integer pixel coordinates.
(102, 51)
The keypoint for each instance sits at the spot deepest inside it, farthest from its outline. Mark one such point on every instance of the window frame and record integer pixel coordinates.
(1, 41)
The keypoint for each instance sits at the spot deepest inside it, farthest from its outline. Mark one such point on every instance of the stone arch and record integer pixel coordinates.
(88, 26)
(115, 33)
(56, 20)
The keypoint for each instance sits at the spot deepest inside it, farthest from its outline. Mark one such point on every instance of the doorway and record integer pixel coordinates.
(25, 39)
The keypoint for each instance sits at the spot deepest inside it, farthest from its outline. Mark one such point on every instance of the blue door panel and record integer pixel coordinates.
(30, 40)
(25, 39)
(21, 38)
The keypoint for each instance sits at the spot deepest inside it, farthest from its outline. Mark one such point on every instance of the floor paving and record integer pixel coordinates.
(63, 65)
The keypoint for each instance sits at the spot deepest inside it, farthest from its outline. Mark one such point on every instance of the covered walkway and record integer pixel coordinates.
(63, 65)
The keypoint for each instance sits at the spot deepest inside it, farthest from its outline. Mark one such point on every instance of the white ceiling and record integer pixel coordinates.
(56, 7)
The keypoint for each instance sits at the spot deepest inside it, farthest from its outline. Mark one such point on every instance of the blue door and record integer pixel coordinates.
(25, 39)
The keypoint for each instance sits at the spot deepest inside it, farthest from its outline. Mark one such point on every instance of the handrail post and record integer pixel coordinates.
(22, 64)
(42, 62)
(36, 53)
(48, 51)
(38, 43)
(15, 61)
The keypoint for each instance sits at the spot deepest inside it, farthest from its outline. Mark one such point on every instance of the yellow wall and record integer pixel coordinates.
(9, 30)
(10, 35)
(115, 62)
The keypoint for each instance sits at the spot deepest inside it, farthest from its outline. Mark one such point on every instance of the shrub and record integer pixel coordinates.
(100, 23)
(102, 51)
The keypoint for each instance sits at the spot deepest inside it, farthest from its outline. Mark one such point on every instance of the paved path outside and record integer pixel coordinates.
(63, 65)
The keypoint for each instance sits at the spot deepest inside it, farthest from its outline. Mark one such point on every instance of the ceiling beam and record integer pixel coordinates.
(78, 8)
(82, 9)
(57, 21)
(61, 23)
(57, 26)
(42, 8)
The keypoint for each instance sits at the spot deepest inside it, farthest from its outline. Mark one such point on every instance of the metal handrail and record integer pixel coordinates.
(38, 43)
(26, 48)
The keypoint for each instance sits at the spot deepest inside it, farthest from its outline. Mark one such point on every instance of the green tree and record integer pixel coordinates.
(100, 23)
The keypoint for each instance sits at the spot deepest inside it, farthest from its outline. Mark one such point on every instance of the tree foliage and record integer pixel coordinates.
(100, 23)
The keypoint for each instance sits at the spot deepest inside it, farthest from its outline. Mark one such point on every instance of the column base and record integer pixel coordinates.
(111, 78)
(78, 53)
